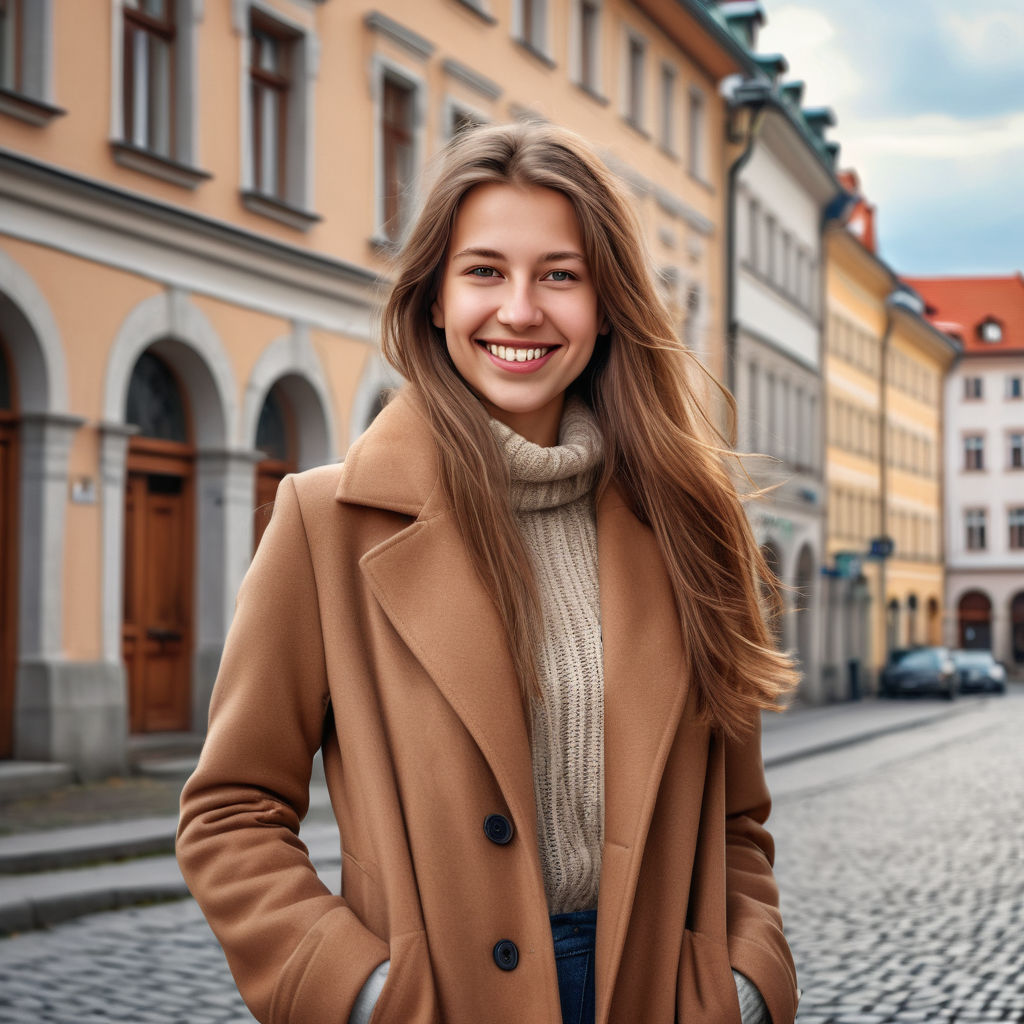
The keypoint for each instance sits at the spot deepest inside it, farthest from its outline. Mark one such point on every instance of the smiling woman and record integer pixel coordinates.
(517, 304)
(523, 624)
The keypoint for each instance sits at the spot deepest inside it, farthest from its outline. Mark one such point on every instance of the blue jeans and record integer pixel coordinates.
(575, 935)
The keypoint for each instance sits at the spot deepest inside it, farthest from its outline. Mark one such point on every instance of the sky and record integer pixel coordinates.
(929, 98)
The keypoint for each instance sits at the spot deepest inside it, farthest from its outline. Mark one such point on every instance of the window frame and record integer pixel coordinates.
(294, 205)
(531, 28)
(384, 68)
(974, 389)
(585, 34)
(1015, 449)
(667, 80)
(976, 529)
(634, 80)
(974, 453)
(29, 95)
(696, 135)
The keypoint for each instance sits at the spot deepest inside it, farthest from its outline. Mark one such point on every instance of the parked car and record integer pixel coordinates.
(979, 672)
(920, 670)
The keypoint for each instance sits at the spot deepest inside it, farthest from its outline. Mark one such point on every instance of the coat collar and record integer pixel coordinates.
(424, 579)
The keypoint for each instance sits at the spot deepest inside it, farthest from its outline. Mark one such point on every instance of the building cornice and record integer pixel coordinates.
(192, 248)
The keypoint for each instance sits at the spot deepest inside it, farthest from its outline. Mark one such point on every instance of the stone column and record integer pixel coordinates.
(225, 502)
(65, 711)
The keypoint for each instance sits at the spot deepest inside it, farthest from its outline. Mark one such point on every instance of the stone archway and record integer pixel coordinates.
(45, 722)
(175, 331)
(1017, 628)
(974, 620)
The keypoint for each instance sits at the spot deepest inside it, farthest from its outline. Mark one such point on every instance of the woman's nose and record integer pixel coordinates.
(519, 309)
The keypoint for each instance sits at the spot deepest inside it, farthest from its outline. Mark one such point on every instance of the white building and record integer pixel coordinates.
(984, 462)
(781, 189)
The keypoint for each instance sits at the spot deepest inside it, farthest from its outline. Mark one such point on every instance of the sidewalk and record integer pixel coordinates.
(73, 851)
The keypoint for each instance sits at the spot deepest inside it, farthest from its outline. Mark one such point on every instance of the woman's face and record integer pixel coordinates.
(517, 304)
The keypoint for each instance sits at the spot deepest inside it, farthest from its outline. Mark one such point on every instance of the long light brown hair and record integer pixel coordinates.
(660, 445)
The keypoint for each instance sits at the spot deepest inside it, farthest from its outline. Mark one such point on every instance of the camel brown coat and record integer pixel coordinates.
(362, 629)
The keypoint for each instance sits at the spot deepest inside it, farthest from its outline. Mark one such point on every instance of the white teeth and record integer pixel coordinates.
(516, 355)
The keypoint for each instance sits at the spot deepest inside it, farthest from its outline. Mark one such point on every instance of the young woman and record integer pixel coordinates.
(523, 624)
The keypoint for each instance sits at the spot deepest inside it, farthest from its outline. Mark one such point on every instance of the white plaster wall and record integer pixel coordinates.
(997, 487)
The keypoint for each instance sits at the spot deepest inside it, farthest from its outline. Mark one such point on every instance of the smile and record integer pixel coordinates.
(514, 354)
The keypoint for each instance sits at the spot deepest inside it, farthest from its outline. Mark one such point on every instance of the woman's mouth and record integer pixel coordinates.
(518, 353)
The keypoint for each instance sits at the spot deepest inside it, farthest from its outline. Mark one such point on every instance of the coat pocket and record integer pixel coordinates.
(706, 990)
(408, 996)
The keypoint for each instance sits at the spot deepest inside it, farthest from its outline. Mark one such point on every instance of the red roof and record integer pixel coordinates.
(963, 306)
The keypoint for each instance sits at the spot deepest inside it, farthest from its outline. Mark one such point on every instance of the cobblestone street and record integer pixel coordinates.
(902, 877)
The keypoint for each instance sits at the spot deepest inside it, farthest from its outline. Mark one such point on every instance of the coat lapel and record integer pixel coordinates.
(645, 690)
(426, 583)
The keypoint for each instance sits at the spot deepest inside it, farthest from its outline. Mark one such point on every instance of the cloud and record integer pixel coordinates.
(942, 137)
(990, 39)
(814, 48)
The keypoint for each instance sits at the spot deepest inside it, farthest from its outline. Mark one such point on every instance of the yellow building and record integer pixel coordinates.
(884, 366)
(198, 201)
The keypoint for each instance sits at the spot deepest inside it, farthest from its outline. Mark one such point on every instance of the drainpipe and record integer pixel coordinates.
(754, 95)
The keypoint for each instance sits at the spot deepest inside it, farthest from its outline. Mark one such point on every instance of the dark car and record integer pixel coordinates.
(979, 672)
(920, 670)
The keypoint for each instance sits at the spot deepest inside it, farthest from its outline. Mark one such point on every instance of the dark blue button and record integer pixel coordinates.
(498, 829)
(506, 955)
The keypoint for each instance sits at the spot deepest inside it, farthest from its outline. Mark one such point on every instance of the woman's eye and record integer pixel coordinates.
(483, 272)
(561, 275)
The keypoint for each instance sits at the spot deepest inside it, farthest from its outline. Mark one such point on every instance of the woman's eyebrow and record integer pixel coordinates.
(493, 254)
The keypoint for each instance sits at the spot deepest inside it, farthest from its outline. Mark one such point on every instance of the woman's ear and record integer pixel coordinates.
(605, 328)
(437, 313)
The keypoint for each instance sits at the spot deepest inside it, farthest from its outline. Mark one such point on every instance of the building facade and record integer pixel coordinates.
(983, 457)
(198, 205)
(782, 188)
(885, 364)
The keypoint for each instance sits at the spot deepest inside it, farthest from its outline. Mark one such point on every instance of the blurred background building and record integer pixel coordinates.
(199, 202)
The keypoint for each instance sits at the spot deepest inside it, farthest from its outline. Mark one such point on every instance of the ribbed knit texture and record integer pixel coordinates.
(553, 500)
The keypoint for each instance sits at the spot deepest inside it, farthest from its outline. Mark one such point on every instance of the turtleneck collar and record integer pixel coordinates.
(548, 477)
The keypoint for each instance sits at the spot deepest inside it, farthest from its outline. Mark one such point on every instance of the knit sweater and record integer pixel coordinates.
(552, 497)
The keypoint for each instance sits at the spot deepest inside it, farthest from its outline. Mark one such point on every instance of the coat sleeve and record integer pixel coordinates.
(297, 951)
(757, 945)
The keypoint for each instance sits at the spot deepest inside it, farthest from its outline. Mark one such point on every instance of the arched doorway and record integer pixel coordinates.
(771, 595)
(1017, 628)
(804, 582)
(974, 615)
(276, 439)
(912, 640)
(159, 545)
(8, 552)
(934, 622)
(892, 626)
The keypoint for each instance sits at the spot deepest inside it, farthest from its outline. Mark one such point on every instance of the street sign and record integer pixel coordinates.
(847, 565)
(882, 547)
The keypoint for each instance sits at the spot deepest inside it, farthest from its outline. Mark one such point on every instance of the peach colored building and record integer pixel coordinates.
(198, 201)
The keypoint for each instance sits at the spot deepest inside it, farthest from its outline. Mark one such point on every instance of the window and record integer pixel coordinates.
(972, 388)
(270, 84)
(588, 45)
(974, 452)
(668, 108)
(635, 58)
(698, 129)
(532, 25)
(461, 119)
(691, 324)
(1015, 387)
(277, 114)
(787, 256)
(770, 231)
(397, 152)
(753, 403)
(1017, 451)
(1016, 521)
(11, 53)
(26, 60)
(149, 75)
(990, 330)
(754, 227)
(974, 523)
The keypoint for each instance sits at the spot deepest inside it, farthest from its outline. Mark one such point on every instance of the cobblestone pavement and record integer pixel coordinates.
(903, 888)
(903, 891)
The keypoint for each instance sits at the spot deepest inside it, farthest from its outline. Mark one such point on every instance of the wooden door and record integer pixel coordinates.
(8, 579)
(157, 630)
